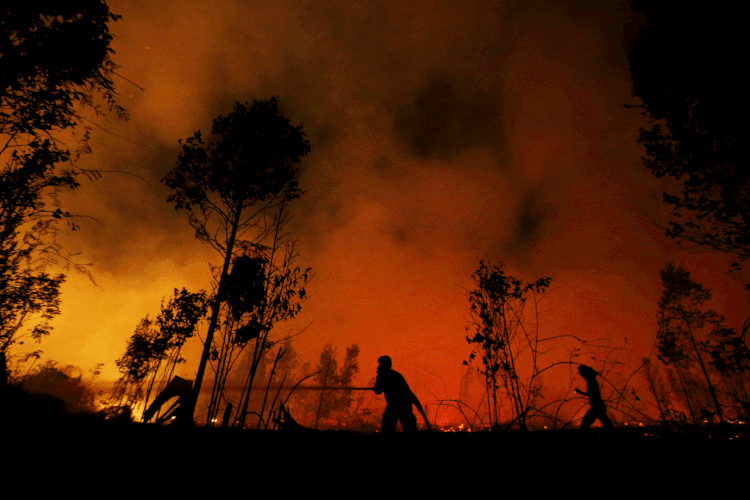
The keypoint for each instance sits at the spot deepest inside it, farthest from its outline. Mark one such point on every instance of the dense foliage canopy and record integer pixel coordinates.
(54, 62)
(687, 66)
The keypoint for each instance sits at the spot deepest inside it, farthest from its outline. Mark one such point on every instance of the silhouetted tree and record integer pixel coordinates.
(64, 382)
(139, 360)
(502, 334)
(332, 403)
(55, 63)
(283, 293)
(27, 293)
(56, 57)
(153, 351)
(264, 287)
(515, 355)
(687, 69)
(730, 357)
(281, 376)
(238, 323)
(226, 185)
(684, 326)
(656, 387)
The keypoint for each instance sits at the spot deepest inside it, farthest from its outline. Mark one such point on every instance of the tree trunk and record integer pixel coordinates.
(705, 374)
(186, 416)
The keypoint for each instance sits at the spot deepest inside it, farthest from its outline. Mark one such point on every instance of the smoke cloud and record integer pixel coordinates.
(442, 134)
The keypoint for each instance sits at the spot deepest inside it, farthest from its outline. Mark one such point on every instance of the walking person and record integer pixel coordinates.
(597, 410)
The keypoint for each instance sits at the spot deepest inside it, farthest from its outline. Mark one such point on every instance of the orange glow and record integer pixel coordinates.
(552, 185)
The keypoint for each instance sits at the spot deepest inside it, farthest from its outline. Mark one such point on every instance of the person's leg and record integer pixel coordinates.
(588, 419)
(388, 424)
(604, 419)
(409, 422)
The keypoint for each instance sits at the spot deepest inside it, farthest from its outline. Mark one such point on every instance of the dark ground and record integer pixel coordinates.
(145, 460)
(90, 457)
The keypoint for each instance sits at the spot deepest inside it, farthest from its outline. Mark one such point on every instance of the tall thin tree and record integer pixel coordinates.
(226, 184)
(682, 318)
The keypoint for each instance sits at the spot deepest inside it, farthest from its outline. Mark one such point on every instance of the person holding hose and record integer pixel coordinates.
(398, 397)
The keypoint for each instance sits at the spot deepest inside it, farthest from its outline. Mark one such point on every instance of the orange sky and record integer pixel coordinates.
(442, 133)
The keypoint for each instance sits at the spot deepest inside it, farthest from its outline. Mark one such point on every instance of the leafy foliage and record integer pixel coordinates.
(259, 295)
(263, 290)
(246, 291)
(686, 68)
(501, 336)
(156, 345)
(55, 62)
(684, 326)
(56, 55)
(178, 320)
(26, 293)
(250, 161)
(730, 357)
(227, 186)
(139, 356)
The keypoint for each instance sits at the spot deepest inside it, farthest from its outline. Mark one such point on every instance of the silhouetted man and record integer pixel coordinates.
(398, 397)
(597, 410)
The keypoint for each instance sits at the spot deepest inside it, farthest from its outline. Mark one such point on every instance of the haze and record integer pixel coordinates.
(442, 134)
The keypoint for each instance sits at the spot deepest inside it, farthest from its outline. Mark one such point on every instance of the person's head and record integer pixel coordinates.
(587, 372)
(384, 362)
